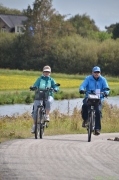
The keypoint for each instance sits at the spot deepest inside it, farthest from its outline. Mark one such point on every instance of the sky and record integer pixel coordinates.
(103, 12)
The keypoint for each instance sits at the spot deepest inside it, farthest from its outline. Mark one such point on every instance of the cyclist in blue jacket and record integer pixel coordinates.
(96, 83)
(42, 82)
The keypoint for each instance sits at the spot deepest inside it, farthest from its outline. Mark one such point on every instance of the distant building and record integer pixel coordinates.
(12, 23)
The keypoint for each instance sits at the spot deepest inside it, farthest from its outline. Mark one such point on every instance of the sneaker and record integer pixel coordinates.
(96, 132)
(47, 118)
(33, 129)
(84, 123)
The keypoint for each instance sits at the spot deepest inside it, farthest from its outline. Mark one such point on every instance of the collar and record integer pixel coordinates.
(95, 78)
(45, 76)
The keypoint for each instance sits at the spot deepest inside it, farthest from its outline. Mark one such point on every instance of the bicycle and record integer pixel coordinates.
(40, 123)
(92, 100)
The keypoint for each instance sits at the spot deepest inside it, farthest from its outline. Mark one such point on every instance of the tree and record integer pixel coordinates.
(83, 24)
(110, 28)
(47, 26)
(40, 14)
(115, 31)
(101, 36)
(5, 10)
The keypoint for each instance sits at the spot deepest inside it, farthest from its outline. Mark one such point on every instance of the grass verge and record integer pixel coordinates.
(19, 127)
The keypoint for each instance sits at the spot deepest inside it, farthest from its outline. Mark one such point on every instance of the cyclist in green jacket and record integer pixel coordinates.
(42, 82)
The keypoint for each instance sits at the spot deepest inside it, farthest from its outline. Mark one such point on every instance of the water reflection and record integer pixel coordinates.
(64, 106)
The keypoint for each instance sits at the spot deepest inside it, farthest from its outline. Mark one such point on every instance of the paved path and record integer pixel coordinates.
(61, 157)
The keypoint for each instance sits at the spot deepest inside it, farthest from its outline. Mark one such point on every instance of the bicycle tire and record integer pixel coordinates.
(90, 126)
(93, 123)
(37, 125)
(41, 125)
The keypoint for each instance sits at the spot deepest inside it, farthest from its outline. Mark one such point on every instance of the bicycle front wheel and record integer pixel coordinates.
(41, 124)
(37, 124)
(90, 126)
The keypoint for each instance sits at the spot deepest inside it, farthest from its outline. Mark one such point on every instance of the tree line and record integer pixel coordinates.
(71, 45)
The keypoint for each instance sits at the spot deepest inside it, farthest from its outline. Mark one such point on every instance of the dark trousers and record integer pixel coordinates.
(98, 113)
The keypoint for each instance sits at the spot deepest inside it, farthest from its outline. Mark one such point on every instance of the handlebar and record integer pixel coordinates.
(33, 88)
(93, 92)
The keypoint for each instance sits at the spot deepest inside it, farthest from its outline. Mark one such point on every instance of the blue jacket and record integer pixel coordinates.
(46, 81)
(90, 83)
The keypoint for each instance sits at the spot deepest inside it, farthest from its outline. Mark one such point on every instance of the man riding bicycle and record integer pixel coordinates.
(95, 83)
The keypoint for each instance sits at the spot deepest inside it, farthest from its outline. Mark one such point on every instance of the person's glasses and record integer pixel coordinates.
(97, 72)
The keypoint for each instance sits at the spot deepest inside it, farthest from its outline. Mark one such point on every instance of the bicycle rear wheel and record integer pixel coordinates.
(37, 125)
(90, 126)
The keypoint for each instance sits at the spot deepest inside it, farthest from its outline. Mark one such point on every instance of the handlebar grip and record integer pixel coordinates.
(32, 88)
(105, 94)
(82, 92)
(49, 88)
(55, 90)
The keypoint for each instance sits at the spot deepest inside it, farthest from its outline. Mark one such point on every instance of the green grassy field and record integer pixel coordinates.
(14, 85)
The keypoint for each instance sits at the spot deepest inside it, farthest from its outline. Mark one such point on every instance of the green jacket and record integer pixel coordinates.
(45, 81)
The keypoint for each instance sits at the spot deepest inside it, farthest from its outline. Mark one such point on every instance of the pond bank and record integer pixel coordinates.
(64, 106)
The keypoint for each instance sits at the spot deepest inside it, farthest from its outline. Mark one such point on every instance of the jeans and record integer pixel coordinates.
(37, 103)
(98, 113)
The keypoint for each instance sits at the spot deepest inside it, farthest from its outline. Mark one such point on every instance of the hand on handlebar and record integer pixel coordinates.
(105, 94)
(81, 91)
(51, 89)
(55, 90)
(32, 88)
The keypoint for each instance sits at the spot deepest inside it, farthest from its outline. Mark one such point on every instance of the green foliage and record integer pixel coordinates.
(115, 31)
(108, 57)
(101, 36)
(70, 46)
(74, 54)
(110, 28)
(83, 24)
(6, 54)
(6, 10)
(25, 97)
(39, 16)
(17, 97)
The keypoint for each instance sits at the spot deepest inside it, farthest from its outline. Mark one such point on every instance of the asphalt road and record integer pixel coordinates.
(61, 157)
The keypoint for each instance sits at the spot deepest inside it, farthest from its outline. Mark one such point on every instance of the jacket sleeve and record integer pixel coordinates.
(37, 82)
(84, 84)
(53, 85)
(105, 85)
